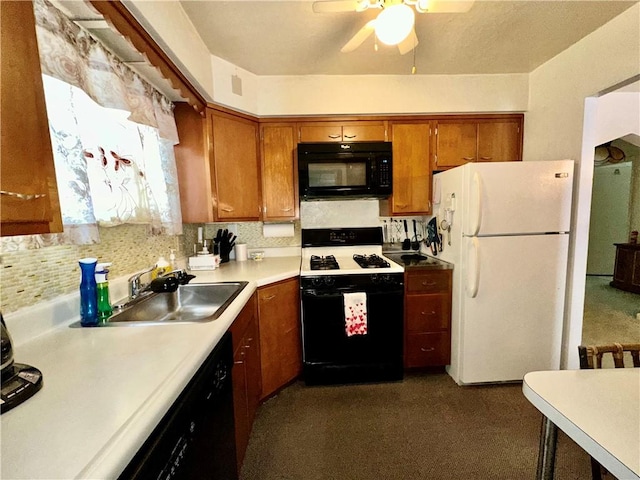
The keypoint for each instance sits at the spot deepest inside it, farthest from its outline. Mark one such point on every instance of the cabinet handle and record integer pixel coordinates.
(334, 136)
(401, 205)
(486, 158)
(270, 297)
(227, 209)
(350, 136)
(23, 196)
(239, 362)
(430, 313)
(429, 284)
(288, 209)
(468, 159)
(430, 349)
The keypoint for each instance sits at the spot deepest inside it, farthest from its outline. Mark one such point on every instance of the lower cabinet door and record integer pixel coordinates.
(427, 350)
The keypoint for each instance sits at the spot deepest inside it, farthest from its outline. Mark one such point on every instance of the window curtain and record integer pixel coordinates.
(112, 135)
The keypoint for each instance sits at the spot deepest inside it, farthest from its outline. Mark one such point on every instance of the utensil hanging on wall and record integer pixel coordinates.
(406, 243)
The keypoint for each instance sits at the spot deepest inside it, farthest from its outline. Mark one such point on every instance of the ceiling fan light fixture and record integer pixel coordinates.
(394, 24)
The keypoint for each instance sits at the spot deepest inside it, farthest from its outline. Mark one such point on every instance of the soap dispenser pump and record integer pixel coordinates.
(102, 286)
(172, 259)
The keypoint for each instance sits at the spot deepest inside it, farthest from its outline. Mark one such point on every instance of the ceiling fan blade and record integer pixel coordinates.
(409, 43)
(335, 6)
(449, 6)
(359, 38)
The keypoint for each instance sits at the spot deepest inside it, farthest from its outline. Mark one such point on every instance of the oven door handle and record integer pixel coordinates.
(316, 293)
(339, 291)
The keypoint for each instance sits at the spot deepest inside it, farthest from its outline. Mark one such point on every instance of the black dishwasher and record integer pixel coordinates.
(195, 439)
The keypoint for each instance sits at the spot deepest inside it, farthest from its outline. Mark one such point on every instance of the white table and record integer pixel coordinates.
(598, 409)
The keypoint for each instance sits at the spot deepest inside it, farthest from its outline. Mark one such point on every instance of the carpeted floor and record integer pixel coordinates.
(609, 313)
(425, 427)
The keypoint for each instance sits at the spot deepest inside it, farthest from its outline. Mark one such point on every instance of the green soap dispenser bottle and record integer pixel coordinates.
(104, 302)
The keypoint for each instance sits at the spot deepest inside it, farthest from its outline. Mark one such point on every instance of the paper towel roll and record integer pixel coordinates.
(241, 252)
(277, 230)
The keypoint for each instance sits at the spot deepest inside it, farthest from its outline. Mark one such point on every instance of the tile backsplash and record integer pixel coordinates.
(31, 276)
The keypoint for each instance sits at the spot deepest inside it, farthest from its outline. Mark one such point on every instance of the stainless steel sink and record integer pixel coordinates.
(196, 303)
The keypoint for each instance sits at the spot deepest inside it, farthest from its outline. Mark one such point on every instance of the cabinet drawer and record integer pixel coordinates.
(427, 350)
(427, 313)
(432, 281)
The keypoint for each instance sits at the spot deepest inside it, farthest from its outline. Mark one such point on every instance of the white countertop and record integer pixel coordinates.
(105, 389)
(599, 409)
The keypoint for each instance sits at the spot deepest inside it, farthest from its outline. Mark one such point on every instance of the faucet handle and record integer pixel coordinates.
(180, 275)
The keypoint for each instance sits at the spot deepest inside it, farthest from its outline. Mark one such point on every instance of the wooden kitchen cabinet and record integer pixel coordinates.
(280, 335)
(427, 318)
(236, 167)
(478, 140)
(411, 170)
(279, 172)
(218, 166)
(194, 155)
(626, 273)
(356, 131)
(29, 202)
(246, 375)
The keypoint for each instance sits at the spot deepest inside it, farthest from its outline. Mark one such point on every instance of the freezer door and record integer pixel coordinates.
(511, 309)
(510, 198)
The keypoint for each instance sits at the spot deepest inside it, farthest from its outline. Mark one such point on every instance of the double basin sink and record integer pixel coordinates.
(191, 303)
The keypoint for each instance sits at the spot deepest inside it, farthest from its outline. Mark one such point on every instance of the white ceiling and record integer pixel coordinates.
(282, 37)
(288, 38)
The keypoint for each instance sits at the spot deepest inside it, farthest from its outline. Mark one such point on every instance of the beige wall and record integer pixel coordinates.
(169, 25)
(558, 88)
(371, 94)
(556, 127)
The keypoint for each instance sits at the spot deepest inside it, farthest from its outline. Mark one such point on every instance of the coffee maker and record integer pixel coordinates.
(19, 381)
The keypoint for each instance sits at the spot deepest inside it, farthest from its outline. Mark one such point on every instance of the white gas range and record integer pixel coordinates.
(339, 267)
(344, 251)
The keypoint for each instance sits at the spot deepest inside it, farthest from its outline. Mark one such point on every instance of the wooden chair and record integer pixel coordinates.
(591, 357)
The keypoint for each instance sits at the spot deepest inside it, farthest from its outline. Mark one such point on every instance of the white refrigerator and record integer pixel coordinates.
(508, 241)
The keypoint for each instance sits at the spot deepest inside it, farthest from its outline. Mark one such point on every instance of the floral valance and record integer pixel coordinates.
(70, 54)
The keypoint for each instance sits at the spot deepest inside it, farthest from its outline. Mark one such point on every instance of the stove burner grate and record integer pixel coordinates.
(328, 262)
(371, 261)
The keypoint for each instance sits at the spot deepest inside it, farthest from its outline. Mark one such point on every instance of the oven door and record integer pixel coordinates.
(323, 328)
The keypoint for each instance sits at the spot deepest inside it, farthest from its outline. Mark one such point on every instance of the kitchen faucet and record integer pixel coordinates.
(135, 287)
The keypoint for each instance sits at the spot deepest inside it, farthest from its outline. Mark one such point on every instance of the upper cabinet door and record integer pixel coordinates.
(279, 172)
(29, 201)
(457, 144)
(411, 169)
(499, 141)
(321, 132)
(356, 131)
(193, 164)
(364, 132)
(236, 167)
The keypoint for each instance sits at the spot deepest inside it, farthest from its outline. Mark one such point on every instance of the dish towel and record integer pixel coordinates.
(355, 313)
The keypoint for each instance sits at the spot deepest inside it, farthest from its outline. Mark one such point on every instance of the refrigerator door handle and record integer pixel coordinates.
(473, 277)
(475, 210)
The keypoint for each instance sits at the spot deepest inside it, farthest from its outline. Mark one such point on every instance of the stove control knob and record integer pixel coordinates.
(317, 281)
(375, 278)
(387, 279)
(329, 280)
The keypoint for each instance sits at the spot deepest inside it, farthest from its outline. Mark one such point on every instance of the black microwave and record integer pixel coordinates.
(341, 170)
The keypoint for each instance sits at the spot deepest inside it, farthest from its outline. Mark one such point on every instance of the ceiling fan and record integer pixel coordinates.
(395, 24)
